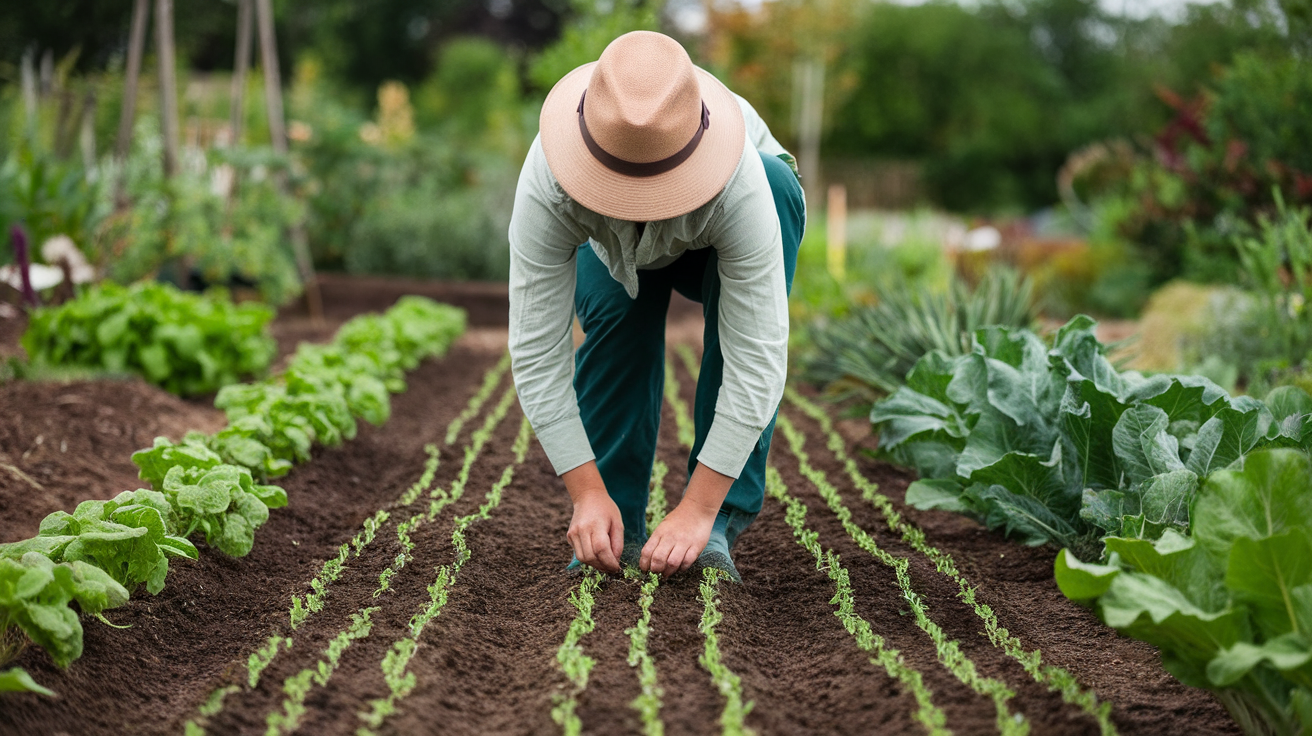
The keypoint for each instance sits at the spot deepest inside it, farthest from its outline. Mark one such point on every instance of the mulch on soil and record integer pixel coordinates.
(487, 663)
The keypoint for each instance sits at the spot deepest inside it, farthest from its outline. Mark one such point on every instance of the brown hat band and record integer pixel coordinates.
(629, 168)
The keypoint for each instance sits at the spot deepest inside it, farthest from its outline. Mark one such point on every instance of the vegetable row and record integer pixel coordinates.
(212, 484)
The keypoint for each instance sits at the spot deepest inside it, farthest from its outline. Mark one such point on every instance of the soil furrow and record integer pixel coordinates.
(487, 665)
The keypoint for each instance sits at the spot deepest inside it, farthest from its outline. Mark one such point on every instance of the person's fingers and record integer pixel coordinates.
(573, 538)
(617, 536)
(648, 549)
(608, 561)
(660, 557)
(673, 558)
(585, 553)
(689, 558)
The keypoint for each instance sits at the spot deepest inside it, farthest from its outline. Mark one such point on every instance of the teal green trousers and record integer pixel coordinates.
(620, 369)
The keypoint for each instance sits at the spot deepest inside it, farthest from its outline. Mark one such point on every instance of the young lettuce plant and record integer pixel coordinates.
(1230, 607)
(207, 495)
(128, 537)
(34, 597)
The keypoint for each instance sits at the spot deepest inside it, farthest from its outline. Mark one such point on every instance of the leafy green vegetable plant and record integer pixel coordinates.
(34, 597)
(208, 495)
(276, 422)
(1052, 444)
(185, 343)
(16, 680)
(129, 538)
(1230, 607)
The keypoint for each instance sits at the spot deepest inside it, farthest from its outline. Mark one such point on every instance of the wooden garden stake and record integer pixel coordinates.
(278, 132)
(168, 84)
(836, 231)
(241, 63)
(136, 46)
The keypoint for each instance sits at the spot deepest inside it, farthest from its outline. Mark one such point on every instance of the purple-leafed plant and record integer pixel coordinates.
(19, 239)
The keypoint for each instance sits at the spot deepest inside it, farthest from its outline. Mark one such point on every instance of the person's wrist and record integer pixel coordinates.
(588, 495)
(698, 508)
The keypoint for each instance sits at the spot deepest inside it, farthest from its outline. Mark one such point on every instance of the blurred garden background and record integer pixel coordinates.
(966, 163)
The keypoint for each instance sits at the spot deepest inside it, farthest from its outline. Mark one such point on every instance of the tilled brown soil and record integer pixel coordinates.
(487, 664)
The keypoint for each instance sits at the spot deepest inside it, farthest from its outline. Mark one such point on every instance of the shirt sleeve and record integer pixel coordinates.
(543, 249)
(753, 319)
(758, 133)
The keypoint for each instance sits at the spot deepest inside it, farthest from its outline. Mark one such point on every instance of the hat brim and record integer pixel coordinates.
(677, 192)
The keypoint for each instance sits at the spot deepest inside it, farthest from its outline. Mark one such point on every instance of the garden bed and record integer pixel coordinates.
(486, 660)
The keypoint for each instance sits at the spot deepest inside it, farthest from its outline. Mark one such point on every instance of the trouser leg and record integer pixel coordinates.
(747, 493)
(618, 377)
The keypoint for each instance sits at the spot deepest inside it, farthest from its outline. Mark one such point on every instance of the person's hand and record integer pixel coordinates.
(596, 532)
(678, 539)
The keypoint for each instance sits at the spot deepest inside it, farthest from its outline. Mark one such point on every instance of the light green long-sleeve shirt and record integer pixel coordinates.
(740, 223)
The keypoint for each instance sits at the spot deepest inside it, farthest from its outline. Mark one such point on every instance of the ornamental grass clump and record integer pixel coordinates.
(869, 352)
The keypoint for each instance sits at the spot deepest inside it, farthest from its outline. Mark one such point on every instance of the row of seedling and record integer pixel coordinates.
(929, 715)
(1056, 679)
(573, 662)
(948, 650)
(298, 686)
(396, 662)
(305, 606)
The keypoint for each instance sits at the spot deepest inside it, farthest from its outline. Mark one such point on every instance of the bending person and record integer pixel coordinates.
(648, 176)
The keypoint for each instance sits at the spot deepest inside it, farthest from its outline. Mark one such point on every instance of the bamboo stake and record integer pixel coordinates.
(278, 134)
(245, 27)
(136, 46)
(168, 84)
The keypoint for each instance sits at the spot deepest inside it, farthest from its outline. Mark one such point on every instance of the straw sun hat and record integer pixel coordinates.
(641, 134)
